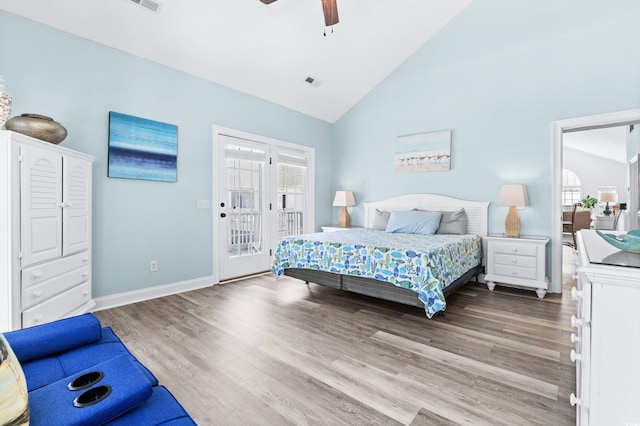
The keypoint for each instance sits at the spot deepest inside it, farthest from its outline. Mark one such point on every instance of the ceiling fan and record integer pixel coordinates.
(329, 8)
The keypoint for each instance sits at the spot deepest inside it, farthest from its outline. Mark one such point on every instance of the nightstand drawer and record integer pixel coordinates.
(516, 272)
(513, 260)
(515, 248)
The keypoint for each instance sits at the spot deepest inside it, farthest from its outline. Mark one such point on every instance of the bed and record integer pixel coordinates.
(418, 270)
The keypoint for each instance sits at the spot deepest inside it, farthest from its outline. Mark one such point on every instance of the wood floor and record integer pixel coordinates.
(263, 351)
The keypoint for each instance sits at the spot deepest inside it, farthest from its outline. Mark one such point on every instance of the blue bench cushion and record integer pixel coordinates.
(53, 404)
(41, 372)
(162, 408)
(52, 338)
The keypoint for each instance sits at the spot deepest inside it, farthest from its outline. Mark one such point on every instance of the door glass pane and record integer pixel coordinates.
(290, 200)
(245, 181)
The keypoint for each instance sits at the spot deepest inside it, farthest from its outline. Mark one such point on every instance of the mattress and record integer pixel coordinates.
(425, 264)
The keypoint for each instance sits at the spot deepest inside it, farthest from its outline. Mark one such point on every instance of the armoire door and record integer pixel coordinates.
(76, 205)
(40, 205)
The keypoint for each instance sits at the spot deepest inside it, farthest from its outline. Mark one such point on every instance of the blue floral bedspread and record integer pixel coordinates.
(425, 264)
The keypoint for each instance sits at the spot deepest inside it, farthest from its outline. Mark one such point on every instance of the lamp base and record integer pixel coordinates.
(512, 223)
(343, 218)
(607, 210)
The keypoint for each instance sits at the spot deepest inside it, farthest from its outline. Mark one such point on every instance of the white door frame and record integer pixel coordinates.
(219, 130)
(559, 127)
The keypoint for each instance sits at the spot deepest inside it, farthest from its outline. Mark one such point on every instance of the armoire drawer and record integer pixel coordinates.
(45, 271)
(57, 307)
(44, 290)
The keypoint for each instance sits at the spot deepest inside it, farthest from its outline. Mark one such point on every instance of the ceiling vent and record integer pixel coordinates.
(313, 81)
(148, 5)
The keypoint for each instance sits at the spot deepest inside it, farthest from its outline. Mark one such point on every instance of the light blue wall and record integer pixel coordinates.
(78, 82)
(497, 75)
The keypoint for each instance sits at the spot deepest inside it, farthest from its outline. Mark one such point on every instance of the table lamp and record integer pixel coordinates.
(608, 197)
(514, 196)
(344, 199)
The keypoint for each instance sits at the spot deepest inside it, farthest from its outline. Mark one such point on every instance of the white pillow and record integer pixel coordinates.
(414, 222)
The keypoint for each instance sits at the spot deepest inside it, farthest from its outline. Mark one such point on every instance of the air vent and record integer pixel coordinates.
(313, 81)
(148, 5)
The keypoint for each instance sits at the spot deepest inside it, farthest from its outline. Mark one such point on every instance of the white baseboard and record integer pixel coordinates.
(121, 299)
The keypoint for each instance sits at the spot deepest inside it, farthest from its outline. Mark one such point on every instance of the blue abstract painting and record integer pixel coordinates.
(142, 149)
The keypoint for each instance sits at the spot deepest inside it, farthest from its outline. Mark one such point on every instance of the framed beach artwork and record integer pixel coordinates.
(142, 149)
(424, 152)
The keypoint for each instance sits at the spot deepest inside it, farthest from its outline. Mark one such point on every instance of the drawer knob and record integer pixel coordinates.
(37, 319)
(575, 356)
(576, 294)
(575, 338)
(515, 249)
(514, 272)
(576, 322)
(37, 275)
(85, 273)
(37, 295)
(574, 400)
(85, 259)
(514, 261)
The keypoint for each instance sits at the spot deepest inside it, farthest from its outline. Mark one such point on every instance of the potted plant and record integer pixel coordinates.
(588, 202)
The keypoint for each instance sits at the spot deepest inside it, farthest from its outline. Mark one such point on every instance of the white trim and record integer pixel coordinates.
(559, 127)
(121, 299)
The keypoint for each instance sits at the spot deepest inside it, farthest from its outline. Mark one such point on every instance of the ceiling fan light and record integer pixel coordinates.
(330, 10)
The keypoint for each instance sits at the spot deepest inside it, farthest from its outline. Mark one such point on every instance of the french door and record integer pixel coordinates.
(264, 193)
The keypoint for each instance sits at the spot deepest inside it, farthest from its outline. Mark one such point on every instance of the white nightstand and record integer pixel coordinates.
(520, 262)
(336, 228)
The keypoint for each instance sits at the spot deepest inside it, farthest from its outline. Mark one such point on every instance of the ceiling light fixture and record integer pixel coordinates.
(329, 9)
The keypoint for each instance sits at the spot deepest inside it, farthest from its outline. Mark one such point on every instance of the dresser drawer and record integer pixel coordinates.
(37, 293)
(57, 307)
(45, 271)
(516, 272)
(515, 248)
(514, 260)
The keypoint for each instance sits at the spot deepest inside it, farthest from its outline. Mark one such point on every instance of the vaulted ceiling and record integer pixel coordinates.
(264, 50)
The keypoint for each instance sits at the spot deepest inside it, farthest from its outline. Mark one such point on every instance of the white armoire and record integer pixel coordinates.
(45, 223)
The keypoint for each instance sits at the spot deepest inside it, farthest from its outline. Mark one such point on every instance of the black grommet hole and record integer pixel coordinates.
(86, 380)
(92, 396)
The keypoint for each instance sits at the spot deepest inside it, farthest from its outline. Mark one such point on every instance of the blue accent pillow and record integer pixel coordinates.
(414, 222)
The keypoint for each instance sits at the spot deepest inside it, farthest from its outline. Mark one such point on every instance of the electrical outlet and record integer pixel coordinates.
(202, 204)
(153, 266)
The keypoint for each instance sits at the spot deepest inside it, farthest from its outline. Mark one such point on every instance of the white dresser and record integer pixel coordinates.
(45, 213)
(607, 334)
(520, 262)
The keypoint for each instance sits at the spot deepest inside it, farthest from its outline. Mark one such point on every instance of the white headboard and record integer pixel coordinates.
(477, 211)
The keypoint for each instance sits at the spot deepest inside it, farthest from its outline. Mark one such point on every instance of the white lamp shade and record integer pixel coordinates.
(609, 197)
(513, 194)
(344, 198)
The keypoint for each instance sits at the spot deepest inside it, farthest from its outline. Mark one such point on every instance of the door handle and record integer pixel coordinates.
(223, 215)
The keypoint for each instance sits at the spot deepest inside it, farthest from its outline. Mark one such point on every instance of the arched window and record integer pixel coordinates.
(571, 188)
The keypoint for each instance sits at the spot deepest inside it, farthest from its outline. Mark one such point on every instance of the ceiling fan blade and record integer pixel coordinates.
(267, 1)
(330, 10)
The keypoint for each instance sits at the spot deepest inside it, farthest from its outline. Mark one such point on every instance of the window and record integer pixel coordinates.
(292, 193)
(571, 188)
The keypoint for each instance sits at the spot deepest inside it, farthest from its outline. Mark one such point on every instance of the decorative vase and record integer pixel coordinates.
(38, 126)
(5, 103)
